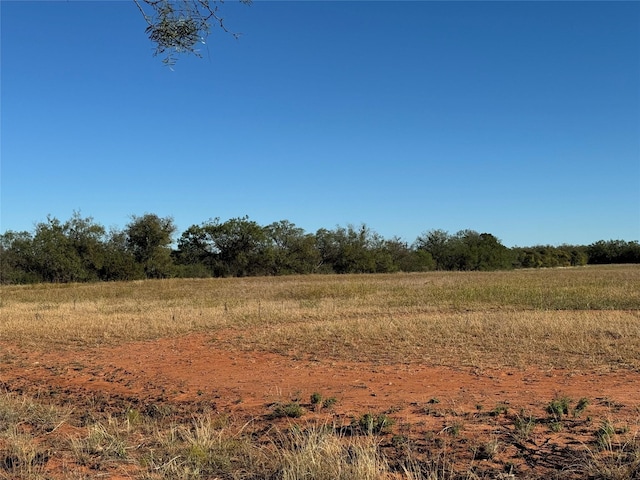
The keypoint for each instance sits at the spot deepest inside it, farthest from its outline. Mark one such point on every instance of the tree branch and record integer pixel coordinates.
(176, 26)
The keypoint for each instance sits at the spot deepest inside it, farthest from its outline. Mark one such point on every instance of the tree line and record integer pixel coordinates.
(81, 250)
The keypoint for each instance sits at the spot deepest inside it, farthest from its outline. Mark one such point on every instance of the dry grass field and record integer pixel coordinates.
(441, 375)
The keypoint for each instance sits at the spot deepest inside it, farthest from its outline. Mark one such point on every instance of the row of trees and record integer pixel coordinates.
(81, 250)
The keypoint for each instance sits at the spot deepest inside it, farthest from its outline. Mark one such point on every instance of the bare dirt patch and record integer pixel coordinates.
(476, 417)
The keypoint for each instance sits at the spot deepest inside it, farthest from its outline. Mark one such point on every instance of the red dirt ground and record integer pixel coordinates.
(427, 403)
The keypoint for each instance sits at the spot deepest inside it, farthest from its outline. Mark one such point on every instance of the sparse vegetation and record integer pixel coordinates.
(319, 454)
(614, 459)
(580, 407)
(500, 409)
(524, 424)
(558, 408)
(453, 429)
(583, 318)
(370, 424)
(328, 403)
(316, 399)
(604, 435)
(572, 318)
(289, 410)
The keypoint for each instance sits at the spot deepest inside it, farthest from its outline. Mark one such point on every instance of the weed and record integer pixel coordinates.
(158, 410)
(524, 424)
(103, 443)
(133, 417)
(439, 467)
(41, 418)
(317, 402)
(328, 403)
(612, 461)
(429, 408)
(486, 451)
(296, 396)
(453, 429)
(316, 399)
(203, 449)
(501, 409)
(604, 435)
(319, 454)
(291, 410)
(21, 456)
(558, 407)
(556, 427)
(580, 407)
(369, 424)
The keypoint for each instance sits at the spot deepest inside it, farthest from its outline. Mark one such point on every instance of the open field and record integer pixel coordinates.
(521, 374)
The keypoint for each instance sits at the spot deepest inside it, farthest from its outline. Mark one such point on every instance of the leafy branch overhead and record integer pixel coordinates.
(178, 26)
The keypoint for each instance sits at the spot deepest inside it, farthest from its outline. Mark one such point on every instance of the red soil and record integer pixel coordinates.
(201, 371)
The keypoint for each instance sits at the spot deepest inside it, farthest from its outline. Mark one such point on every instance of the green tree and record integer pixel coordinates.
(466, 250)
(72, 251)
(119, 261)
(381, 253)
(67, 252)
(485, 252)
(401, 256)
(16, 258)
(396, 255)
(236, 248)
(346, 249)
(526, 258)
(614, 251)
(149, 239)
(53, 256)
(291, 249)
(439, 244)
(480, 251)
(548, 256)
(243, 247)
(196, 253)
(87, 239)
(579, 256)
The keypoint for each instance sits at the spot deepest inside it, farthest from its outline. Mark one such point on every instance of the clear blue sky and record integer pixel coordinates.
(521, 119)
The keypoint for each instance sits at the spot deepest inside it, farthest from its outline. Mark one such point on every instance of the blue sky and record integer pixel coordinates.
(521, 119)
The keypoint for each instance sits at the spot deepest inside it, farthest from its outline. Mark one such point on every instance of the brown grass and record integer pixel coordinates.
(575, 317)
(580, 317)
